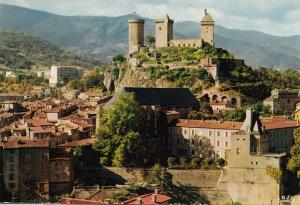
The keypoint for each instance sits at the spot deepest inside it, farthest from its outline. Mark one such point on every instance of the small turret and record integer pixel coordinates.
(207, 28)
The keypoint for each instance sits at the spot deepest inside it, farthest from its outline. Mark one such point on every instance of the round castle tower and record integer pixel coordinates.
(136, 34)
(207, 29)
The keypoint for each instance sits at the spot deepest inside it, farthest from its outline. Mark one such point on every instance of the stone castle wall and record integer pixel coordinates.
(190, 43)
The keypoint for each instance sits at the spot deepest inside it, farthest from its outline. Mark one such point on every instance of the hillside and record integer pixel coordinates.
(23, 51)
(103, 37)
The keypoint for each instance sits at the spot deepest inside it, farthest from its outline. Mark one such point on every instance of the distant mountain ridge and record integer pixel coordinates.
(103, 37)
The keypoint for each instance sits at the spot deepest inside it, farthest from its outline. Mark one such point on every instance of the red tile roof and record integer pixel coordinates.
(16, 143)
(280, 124)
(276, 123)
(65, 200)
(83, 142)
(148, 199)
(212, 124)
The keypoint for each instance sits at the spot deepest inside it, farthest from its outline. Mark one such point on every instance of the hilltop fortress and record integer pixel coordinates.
(164, 34)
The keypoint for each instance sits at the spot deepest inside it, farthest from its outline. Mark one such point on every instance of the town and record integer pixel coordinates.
(175, 121)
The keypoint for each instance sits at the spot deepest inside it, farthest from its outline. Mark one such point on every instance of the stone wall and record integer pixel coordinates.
(195, 178)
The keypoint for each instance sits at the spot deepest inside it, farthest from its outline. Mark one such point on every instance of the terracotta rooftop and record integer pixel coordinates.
(280, 124)
(14, 144)
(148, 199)
(6, 114)
(65, 200)
(214, 124)
(83, 142)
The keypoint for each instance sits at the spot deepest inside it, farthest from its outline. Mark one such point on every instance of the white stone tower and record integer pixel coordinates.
(163, 32)
(207, 29)
(136, 34)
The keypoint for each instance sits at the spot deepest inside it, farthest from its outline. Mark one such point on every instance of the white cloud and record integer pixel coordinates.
(270, 16)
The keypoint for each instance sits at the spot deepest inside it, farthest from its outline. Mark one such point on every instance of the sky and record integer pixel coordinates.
(277, 17)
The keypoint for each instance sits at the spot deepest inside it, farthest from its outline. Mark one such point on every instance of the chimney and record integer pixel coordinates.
(154, 198)
(139, 200)
(248, 121)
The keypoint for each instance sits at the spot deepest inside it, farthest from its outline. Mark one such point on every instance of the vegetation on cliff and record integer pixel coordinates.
(23, 51)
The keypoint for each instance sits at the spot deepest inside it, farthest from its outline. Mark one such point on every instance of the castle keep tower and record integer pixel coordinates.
(163, 32)
(136, 34)
(207, 29)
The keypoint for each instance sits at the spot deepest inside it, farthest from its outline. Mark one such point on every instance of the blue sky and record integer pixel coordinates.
(279, 17)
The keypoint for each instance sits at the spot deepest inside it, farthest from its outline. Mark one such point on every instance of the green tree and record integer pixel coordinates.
(119, 58)
(294, 161)
(121, 137)
(150, 40)
(261, 109)
(237, 114)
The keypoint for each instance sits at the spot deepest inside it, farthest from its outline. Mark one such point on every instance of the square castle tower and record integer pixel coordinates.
(164, 34)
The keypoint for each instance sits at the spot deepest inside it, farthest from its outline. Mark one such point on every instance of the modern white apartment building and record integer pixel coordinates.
(61, 74)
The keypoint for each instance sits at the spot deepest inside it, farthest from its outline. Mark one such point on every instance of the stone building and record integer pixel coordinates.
(136, 34)
(231, 98)
(283, 101)
(11, 97)
(250, 164)
(61, 175)
(186, 137)
(26, 169)
(164, 33)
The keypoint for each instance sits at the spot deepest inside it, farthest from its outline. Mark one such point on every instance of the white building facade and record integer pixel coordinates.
(61, 74)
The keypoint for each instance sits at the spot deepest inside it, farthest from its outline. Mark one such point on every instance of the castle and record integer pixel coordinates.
(164, 34)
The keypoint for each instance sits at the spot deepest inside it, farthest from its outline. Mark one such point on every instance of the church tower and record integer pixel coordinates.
(207, 29)
(136, 34)
(163, 32)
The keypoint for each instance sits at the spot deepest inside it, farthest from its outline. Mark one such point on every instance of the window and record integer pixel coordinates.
(56, 176)
(185, 141)
(210, 133)
(11, 167)
(178, 141)
(193, 152)
(218, 133)
(11, 158)
(11, 185)
(237, 150)
(160, 28)
(226, 144)
(226, 134)
(11, 176)
(185, 132)
(192, 132)
(218, 143)
(193, 141)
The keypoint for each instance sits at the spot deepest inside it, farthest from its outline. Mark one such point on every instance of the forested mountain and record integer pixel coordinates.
(23, 51)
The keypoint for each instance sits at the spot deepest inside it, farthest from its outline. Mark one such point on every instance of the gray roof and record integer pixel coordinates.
(165, 97)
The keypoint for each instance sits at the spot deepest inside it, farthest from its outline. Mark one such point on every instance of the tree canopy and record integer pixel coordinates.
(123, 138)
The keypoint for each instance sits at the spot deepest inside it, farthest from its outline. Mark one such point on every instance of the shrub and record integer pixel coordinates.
(119, 58)
(208, 162)
(196, 162)
(221, 162)
(172, 162)
(184, 162)
(104, 161)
